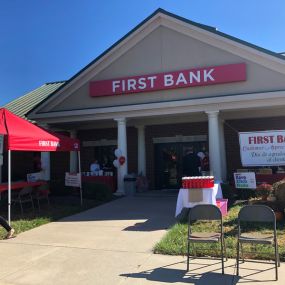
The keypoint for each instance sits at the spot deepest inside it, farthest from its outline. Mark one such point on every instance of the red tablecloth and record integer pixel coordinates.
(19, 185)
(269, 178)
(111, 181)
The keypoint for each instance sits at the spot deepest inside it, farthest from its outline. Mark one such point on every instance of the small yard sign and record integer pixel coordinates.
(73, 179)
(245, 180)
(33, 177)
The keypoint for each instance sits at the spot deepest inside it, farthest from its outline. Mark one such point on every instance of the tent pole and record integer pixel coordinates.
(79, 170)
(9, 187)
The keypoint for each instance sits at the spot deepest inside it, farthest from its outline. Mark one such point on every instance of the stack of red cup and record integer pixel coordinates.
(189, 182)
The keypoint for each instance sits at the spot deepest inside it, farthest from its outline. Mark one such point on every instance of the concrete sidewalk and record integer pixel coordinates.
(112, 244)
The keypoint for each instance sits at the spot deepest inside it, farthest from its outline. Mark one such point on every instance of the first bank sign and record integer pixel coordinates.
(170, 80)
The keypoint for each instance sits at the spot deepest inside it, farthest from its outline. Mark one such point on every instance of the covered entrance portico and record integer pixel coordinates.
(142, 139)
(139, 138)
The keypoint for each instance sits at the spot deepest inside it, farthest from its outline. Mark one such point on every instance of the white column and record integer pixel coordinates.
(223, 150)
(122, 145)
(45, 159)
(141, 151)
(45, 164)
(214, 144)
(73, 158)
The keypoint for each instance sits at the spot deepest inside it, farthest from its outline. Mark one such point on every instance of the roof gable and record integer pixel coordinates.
(159, 18)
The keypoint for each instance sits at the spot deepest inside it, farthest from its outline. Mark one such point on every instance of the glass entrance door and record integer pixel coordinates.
(166, 166)
(168, 162)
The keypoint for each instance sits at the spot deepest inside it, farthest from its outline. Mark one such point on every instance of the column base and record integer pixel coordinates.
(119, 193)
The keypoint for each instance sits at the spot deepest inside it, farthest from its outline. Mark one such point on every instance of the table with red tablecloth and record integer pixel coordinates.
(110, 181)
(20, 185)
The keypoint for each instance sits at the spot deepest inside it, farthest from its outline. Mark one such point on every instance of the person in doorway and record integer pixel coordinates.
(95, 166)
(201, 155)
(191, 163)
(205, 162)
(5, 225)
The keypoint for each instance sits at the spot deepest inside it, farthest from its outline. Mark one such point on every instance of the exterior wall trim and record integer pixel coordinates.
(177, 139)
(102, 142)
(236, 102)
(226, 44)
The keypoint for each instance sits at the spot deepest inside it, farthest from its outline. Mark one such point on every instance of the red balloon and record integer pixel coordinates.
(122, 160)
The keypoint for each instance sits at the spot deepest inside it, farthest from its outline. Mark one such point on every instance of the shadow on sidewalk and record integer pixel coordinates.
(173, 275)
(148, 213)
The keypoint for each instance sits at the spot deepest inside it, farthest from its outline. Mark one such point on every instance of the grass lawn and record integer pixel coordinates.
(59, 207)
(175, 241)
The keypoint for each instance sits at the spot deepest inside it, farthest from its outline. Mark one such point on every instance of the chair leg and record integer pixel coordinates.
(188, 255)
(39, 206)
(225, 249)
(22, 212)
(237, 258)
(241, 250)
(222, 255)
(278, 256)
(33, 204)
(194, 251)
(276, 260)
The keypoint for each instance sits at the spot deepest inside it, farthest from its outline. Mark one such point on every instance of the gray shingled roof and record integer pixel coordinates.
(22, 105)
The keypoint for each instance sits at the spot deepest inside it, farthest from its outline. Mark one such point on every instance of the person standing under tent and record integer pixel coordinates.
(5, 225)
(95, 167)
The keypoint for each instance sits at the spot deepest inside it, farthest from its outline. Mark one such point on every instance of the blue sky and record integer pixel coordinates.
(51, 40)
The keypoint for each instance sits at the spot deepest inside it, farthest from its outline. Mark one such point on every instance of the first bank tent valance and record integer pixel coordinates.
(22, 135)
(25, 136)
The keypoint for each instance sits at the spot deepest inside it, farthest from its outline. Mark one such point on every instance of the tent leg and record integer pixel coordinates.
(79, 170)
(9, 187)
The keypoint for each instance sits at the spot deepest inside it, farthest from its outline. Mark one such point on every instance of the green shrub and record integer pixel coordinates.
(279, 191)
(97, 191)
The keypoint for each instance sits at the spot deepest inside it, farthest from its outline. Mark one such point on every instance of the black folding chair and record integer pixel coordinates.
(261, 214)
(23, 196)
(41, 192)
(206, 213)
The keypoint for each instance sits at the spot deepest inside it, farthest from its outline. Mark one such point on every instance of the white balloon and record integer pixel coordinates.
(118, 152)
(116, 163)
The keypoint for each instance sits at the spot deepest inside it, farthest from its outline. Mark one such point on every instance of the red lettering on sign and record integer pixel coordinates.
(280, 139)
(261, 139)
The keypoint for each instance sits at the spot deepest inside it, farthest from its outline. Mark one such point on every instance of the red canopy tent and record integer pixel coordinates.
(22, 135)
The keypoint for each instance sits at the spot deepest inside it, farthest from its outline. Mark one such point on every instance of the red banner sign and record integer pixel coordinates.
(170, 80)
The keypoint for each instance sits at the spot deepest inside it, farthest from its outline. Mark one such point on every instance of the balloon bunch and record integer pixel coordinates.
(120, 158)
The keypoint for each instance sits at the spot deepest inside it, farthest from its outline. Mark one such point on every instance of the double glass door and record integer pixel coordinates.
(168, 162)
